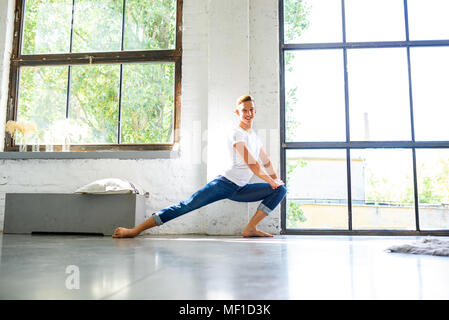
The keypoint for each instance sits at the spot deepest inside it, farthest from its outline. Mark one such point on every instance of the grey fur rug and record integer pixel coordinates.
(432, 246)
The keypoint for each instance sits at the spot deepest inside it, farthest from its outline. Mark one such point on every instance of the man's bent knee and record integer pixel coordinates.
(282, 189)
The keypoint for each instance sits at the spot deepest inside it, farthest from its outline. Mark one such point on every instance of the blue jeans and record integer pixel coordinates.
(221, 188)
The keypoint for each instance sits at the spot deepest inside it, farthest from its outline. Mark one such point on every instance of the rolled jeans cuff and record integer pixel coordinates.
(264, 208)
(157, 219)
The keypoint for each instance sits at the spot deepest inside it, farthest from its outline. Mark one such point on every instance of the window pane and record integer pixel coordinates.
(374, 20)
(314, 96)
(379, 98)
(317, 191)
(47, 26)
(97, 25)
(382, 189)
(433, 188)
(430, 81)
(43, 98)
(94, 94)
(428, 19)
(311, 21)
(150, 24)
(148, 103)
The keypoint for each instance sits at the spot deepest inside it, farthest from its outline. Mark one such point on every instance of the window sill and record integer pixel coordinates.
(123, 155)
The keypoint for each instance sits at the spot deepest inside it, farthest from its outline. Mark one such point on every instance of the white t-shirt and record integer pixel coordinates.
(237, 170)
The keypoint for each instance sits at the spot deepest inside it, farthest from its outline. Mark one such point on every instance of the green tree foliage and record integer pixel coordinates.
(47, 26)
(295, 19)
(94, 97)
(97, 25)
(147, 88)
(295, 215)
(148, 85)
(295, 22)
(42, 96)
(380, 189)
(150, 24)
(433, 183)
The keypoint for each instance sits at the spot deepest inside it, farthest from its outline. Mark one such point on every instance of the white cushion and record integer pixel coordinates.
(110, 186)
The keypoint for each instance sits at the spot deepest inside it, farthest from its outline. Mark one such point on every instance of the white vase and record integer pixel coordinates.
(66, 145)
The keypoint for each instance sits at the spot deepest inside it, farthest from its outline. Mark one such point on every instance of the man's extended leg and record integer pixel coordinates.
(211, 192)
(130, 233)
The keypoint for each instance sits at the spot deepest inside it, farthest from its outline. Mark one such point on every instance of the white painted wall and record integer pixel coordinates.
(230, 48)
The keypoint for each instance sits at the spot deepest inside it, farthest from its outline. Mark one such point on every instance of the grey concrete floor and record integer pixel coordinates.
(212, 267)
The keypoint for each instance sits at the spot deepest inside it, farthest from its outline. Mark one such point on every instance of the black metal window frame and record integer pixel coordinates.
(349, 145)
(19, 60)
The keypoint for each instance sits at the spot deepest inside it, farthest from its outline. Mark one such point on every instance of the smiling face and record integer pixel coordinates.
(246, 111)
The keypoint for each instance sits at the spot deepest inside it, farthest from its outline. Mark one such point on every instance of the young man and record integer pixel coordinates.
(245, 147)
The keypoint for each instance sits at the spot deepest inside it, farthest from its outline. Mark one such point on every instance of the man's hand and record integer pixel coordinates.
(242, 150)
(276, 183)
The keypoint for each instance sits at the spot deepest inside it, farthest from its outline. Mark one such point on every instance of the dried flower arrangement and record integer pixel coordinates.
(22, 127)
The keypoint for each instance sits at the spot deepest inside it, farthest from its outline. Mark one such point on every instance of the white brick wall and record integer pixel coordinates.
(230, 48)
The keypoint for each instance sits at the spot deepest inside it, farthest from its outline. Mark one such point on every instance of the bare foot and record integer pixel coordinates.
(124, 233)
(254, 232)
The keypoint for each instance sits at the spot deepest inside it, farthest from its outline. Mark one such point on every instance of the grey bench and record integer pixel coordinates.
(72, 213)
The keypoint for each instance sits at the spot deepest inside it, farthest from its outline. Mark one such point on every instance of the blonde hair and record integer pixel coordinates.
(244, 99)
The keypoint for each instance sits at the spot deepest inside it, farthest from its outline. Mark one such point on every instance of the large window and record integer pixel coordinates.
(105, 74)
(364, 112)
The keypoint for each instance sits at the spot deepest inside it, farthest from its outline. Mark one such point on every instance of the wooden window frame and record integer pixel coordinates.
(118, 57)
